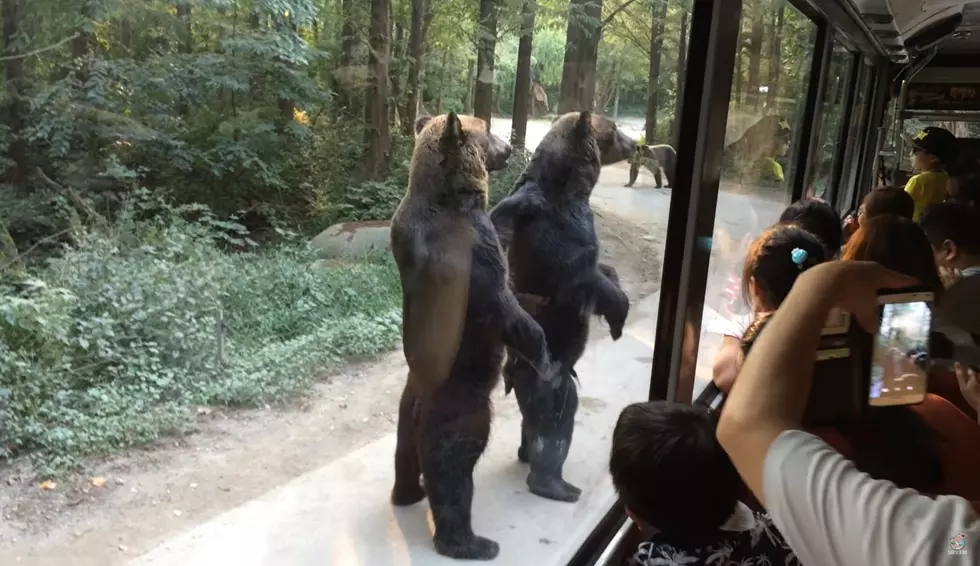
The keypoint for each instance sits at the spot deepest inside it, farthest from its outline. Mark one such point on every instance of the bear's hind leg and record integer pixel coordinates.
(546, 432)
(453, 436)
(408, 470)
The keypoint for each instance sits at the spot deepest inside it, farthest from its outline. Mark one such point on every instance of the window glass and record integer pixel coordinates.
(765, 115)
(201, 194)
(857, 134)
(830, 138)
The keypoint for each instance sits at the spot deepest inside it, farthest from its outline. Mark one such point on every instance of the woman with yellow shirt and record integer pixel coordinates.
(932, 148)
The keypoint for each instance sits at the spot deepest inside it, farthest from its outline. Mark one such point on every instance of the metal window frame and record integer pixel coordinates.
(690, 228)
(844, 146)
(715, 27)
(875, 130)
(808, 135)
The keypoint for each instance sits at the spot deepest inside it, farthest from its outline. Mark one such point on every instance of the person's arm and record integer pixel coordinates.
(727, 363)
(773, 386)
(832, 513)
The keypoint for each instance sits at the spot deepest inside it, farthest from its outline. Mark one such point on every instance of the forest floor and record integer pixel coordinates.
(126, 505)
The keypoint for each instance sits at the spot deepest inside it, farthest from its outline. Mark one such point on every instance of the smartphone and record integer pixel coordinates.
(900, 351)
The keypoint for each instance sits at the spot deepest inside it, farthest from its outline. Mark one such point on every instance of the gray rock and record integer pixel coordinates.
(352, 239)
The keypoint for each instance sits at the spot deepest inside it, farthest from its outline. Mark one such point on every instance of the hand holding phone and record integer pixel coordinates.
(900, 355)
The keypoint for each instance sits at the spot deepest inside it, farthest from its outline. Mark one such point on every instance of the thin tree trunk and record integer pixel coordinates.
(755, 53)
(653, 83)
(14, 107)
(581, 54)
(377, 136)
(344, 72)
(442, 82)
(398, 49)
(470, 79)
(775, 47)
(416, 53)
(185, 46)
(522, 82)
(486, 45)
(681, 72)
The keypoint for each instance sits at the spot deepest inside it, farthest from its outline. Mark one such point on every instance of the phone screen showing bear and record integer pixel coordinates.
(900, 358)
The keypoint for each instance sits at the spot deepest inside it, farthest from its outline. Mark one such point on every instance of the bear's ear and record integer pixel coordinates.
(453, 134)
(420, 123)
(584, 124)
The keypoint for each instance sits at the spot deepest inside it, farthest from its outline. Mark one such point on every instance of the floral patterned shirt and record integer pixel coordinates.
(757, 544)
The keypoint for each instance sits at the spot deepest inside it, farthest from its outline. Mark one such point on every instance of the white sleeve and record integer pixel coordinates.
(831, 513)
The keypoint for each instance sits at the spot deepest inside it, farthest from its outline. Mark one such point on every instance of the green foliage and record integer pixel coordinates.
(112, 343)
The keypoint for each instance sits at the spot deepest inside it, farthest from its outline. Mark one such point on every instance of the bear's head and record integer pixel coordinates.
(570, 155)
(453, 154)
(475, 130)
(614, 145)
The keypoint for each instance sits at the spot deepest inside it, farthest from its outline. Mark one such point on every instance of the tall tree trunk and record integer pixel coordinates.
(287, 106)
(442, 83)
(774, 47)
(343, 75)
(653, 82)
(416, 64)
(755, 53)
(470, 79)
(675, 133)
(581, 55)
(737, 89)
(83, 46)
(398, 49)
(377, 136)
(522, 82)
(486, 44)
(185, 46)
(14, 107)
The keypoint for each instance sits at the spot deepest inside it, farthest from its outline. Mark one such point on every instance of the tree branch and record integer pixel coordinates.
(39, 50)
(615, 12)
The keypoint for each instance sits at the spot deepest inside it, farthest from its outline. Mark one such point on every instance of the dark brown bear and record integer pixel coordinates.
(547, 228)
(459, 314)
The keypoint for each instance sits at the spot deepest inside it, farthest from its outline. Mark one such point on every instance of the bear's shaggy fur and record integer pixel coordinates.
(459, 314)
(546, 226)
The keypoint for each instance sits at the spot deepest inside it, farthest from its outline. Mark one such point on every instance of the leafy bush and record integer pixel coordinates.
(503, 181)
(112, 343)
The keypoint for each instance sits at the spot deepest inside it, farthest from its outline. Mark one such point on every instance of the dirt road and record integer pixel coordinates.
(235, 456)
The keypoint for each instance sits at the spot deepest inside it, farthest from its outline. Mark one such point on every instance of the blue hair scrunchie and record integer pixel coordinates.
(799, 256)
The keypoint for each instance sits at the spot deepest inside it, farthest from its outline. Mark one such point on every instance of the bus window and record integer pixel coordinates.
(830, 140)
(764, 118)
(203, 205)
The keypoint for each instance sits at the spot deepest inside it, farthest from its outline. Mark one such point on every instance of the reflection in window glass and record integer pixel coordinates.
(206, 189)
(833, 109)
(765, 113)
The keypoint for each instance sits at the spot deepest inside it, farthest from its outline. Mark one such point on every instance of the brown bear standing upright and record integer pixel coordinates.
(459, 314)
(546, 226)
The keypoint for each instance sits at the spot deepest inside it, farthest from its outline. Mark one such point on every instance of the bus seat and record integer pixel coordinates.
(943, 383)
(959, 445)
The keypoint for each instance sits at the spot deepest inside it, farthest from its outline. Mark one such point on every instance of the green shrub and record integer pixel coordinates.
(112, 343)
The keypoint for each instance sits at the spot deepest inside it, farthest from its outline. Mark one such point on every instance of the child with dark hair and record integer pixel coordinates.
(675, 479)
(817, 217)
(774, 261)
